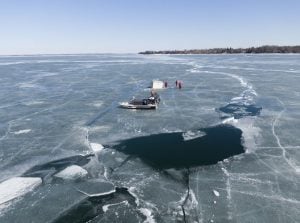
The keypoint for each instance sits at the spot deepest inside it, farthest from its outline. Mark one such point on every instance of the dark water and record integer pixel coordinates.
(92, 208)
(170, 150)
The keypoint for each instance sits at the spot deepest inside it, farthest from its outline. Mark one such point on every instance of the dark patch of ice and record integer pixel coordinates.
(49, 169)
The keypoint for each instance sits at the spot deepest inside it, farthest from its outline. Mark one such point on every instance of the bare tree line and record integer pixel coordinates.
(254, 50)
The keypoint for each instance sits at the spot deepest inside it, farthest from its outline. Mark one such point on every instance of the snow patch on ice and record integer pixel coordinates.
(106, 207)
(73, 172)
(27, 85)
(229, 120)
(251, 133)
(11, 63)
(148, 214)
(100, 128)
(28, 103)
(23, 131)
(194, 70)
(96, 147)
(97, 104)
(216, 193)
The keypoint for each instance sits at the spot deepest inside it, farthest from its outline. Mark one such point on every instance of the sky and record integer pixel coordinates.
(131, 26)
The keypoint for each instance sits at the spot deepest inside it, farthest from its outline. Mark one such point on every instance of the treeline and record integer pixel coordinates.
(261, 49)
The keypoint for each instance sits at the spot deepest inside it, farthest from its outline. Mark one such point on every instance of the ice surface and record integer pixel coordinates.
(69, 102)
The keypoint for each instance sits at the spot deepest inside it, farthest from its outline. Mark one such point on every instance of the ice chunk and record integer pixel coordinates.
(216, 193)
(96, 147)
(148, 214)
(96, 188)
(189, 135)
(16, 187)
(73, 172)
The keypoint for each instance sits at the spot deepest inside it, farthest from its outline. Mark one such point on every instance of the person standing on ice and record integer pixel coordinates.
(179, 84)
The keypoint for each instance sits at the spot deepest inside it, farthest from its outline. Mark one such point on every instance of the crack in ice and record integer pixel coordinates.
(276, 119)
(228, 190)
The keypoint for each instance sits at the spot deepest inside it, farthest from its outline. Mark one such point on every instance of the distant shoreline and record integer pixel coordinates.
(250, 50)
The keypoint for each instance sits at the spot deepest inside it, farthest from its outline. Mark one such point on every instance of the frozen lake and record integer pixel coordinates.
(224, 148)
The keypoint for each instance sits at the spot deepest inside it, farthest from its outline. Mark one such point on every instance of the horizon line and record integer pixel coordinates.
(94, 53)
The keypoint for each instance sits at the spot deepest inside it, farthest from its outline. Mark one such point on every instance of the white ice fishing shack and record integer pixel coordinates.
(156, 84)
